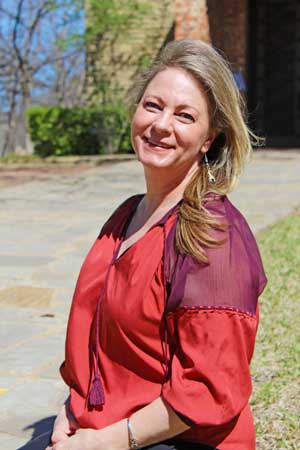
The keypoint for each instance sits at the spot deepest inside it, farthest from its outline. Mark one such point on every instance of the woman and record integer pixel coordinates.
(164, 316)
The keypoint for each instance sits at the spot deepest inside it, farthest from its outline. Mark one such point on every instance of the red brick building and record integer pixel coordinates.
(261, 38)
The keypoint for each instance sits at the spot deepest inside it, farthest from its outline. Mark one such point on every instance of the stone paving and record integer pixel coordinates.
(46, 228)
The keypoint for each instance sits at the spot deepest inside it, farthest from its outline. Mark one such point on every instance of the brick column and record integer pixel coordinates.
(228, 28)
(191, 20)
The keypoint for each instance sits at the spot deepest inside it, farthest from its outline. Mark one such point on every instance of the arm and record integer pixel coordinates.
(65, 424)
(153, 423)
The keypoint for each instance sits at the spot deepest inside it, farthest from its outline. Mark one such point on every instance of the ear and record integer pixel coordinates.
(209, 140)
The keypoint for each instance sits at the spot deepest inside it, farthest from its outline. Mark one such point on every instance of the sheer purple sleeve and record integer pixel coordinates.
(234, 277)
(212, 325)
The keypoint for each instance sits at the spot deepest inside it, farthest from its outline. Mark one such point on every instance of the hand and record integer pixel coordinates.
(83, 439)
(65, 425)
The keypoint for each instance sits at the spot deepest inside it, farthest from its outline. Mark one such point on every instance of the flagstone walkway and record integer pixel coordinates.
(47, 226)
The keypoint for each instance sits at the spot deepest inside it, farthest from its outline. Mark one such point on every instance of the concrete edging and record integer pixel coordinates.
(65, 161)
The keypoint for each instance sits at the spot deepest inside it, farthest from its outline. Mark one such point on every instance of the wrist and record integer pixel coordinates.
(132, 441)
(115, 436)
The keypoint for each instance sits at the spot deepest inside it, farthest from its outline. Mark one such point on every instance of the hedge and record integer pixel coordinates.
(79, 130)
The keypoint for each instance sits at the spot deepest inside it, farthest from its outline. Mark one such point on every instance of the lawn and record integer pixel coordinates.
(276, 365)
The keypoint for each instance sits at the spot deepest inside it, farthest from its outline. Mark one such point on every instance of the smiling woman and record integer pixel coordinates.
(170, 126)
(164, 315)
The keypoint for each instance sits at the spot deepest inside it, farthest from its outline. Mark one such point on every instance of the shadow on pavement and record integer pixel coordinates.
(41, 434)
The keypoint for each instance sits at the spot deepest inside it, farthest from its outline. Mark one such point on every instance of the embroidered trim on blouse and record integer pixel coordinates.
(192, 308)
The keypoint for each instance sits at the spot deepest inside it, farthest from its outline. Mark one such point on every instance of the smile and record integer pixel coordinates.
(152, 144)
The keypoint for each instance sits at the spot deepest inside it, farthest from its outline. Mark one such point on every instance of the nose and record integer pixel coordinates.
(162, 123)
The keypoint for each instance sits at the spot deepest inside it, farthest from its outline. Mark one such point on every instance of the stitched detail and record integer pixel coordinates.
(211, 309)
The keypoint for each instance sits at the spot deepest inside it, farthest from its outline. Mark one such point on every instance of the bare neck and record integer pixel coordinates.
(164, 189)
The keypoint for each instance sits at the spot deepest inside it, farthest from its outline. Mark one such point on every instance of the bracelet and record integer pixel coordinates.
(133, 443)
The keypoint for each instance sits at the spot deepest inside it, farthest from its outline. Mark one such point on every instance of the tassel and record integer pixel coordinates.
(96, 395)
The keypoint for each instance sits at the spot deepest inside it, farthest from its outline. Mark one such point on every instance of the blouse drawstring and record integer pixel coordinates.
(165, 346)
(96, 395)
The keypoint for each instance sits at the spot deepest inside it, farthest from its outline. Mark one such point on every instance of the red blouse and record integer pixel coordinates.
(167, 326)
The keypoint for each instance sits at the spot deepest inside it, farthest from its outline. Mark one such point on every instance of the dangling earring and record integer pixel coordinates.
(211, 178)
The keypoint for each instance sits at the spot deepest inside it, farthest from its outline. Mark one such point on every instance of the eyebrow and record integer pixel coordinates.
(180, 106)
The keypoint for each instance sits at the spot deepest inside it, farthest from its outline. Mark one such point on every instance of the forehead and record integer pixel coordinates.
(178, 86)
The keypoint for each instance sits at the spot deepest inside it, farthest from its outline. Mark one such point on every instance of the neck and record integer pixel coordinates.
(165, 190)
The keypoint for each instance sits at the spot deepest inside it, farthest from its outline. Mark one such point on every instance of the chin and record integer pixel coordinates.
(156, 161)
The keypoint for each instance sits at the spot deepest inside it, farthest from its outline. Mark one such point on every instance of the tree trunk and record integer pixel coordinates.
(24, 143)
(9, 143)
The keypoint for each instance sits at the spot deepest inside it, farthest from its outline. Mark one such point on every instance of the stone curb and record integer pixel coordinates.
(97, 160)
(65, 161)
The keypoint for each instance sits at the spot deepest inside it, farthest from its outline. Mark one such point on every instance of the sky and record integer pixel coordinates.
(55, 27)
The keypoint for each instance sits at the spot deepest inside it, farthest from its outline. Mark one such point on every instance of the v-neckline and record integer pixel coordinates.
(125, 226)
(133, 209)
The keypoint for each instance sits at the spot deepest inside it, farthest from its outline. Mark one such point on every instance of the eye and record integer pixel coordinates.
(186, 116)
(152, 105)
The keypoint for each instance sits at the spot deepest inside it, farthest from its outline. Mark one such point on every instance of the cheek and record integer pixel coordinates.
(133, 136)
(134, 126)
(190, 137)
(138, 126)
(139, 122)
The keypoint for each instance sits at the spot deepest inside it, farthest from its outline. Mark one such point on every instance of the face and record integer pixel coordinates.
(170, 128)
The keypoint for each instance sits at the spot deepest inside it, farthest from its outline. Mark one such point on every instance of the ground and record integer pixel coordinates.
(48, 221)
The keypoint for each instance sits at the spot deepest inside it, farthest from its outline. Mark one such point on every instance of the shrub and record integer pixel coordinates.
(79, 130)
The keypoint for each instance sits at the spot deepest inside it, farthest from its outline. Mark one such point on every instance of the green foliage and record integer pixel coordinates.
(108, 25)
(13, 158)
(79, 131)
(144, 61)
(110, 16)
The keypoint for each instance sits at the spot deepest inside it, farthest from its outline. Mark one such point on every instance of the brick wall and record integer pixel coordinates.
(222, 22)
(191, 20)
(228, 29)
(120, 57)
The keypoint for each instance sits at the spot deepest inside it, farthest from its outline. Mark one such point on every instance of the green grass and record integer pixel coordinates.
(22, 159)
(12, 159)
(276, 364)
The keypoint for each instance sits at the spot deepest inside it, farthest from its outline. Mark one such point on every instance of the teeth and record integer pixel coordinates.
(157, 145)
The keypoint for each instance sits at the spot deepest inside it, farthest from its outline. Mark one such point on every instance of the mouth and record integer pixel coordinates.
(152, 144)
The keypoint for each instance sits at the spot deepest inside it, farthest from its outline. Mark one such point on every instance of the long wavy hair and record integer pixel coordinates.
(229, 151)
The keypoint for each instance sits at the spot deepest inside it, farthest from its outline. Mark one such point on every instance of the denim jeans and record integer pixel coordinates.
(172, 444)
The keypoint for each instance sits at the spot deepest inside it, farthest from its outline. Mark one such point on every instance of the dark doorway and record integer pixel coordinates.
(274, 70)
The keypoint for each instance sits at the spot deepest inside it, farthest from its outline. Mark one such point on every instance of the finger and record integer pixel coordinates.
(57, 446)
(61, 445)
(58, 435)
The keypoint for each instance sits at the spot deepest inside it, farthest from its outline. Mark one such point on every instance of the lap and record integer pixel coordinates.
(178, 445)
(41, 442)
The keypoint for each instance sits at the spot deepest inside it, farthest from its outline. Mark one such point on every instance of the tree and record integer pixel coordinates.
(109, 23)
(39, 63)
(117, 46)
(73, 53)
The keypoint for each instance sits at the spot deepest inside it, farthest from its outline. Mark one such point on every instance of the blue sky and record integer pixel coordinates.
(63, 21)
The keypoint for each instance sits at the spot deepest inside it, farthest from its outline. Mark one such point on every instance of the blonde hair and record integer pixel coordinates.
(230, 149)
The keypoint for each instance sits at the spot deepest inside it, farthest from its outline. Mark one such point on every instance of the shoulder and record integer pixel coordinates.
(234, 277)
(238, 260)
(240, 242)
(120, 214)
(221, 207)
(238, 230)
